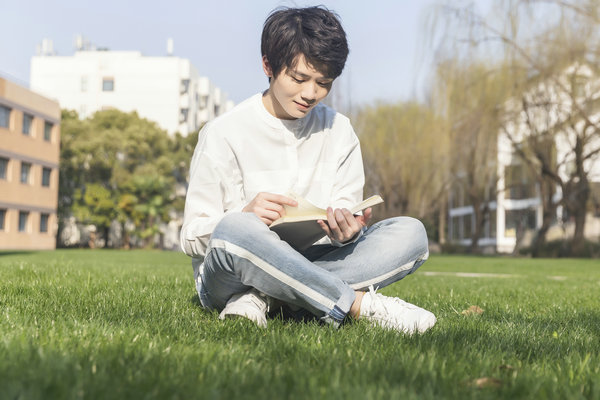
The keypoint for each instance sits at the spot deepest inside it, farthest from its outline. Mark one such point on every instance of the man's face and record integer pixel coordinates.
(294, 92)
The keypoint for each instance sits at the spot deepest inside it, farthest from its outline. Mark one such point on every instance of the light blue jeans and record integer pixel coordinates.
(243, 253)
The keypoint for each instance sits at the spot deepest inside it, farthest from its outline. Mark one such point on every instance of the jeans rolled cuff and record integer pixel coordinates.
(337, 314)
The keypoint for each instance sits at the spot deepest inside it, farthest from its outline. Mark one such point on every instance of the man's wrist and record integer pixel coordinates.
(353, 238)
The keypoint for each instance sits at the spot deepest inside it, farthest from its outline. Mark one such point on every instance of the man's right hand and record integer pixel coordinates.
(269, 206)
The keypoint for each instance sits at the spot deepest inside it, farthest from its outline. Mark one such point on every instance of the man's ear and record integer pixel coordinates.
(267, 67)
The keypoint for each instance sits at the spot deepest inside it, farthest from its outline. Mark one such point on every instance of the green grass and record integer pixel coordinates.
(126, 324)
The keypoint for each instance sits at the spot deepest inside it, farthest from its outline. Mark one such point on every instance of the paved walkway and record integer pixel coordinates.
(483, 275)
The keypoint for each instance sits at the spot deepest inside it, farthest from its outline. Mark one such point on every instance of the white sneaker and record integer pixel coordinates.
(252, 304)
(393, 313)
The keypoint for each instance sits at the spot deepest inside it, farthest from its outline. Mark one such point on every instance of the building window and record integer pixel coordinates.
(25, 169)
(48, 131)
(519, 221)
(184, 86)
(23, 216)
(27, 123)
(519, 182)
(468, 226)
(455, 224)
(183, 115)
(3, 167)
(203, 101)
(489, 224)
(44, 223)
(2, 218)
(108, 84)
(457, 196)
(492, 223)
(84, 83)
(46, 176)
(4, 117)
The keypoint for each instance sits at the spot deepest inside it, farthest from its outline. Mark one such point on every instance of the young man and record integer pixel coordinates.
(280, 141)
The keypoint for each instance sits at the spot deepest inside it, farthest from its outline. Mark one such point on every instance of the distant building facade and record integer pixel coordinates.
(29, 157)
(167, 90)
(516, 213)
(517, 209)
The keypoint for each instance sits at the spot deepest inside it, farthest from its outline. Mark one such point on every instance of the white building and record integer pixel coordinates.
(518, 202)
(167, 90)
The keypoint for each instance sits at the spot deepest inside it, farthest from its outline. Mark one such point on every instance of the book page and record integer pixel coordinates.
(299, 227)
(370, 202)
(305, 208)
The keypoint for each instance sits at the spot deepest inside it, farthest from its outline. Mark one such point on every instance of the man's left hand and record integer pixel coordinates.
(342, 225)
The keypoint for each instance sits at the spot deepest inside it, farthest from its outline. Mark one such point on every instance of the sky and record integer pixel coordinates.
(388, 59)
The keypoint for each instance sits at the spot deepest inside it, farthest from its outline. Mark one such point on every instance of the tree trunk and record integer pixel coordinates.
(579, 211)
(443, 215)
(548, 214)
(578, 244)
(539, 241)
(126, 244)
(92, 241)
(579, 199)
(477, 227)
(519, 231)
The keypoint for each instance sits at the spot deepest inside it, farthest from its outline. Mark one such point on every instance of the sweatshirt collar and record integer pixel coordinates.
(293, 125)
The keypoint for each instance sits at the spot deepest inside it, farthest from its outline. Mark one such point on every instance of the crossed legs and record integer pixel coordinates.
(244, 253)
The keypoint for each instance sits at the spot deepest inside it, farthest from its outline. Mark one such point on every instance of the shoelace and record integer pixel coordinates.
(260, 301)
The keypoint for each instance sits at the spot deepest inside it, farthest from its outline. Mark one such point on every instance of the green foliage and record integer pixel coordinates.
(117, 324)
(148, 199)
(95, 206)
(118, 166)
(180, 152)
(403, 146)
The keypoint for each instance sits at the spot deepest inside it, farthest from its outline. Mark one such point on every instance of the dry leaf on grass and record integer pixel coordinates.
(473, 310)
(487, 382)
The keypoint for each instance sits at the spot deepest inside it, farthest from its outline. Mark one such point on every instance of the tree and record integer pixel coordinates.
(561, 141)
(95, 205)
(554, 126)
(403, 146)
(72, 132)
(148, 196)
(117, 166)
(560, 109)
(468, 97)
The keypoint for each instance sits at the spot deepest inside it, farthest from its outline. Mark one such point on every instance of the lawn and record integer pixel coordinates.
(127, 324)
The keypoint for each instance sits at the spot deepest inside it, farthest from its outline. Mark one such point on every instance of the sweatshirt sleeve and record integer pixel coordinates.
(214, 190)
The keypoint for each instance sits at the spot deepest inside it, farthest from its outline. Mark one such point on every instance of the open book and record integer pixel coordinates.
(299, 226)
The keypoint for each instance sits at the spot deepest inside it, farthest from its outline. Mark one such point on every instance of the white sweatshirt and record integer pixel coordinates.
(248, 150)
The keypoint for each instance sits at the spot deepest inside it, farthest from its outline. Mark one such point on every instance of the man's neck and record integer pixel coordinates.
(274, 108)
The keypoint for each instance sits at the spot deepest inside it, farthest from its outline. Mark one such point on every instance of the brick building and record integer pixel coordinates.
(29, 157)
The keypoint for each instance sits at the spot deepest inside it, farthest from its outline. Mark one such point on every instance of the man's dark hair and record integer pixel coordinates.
(315, 32)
